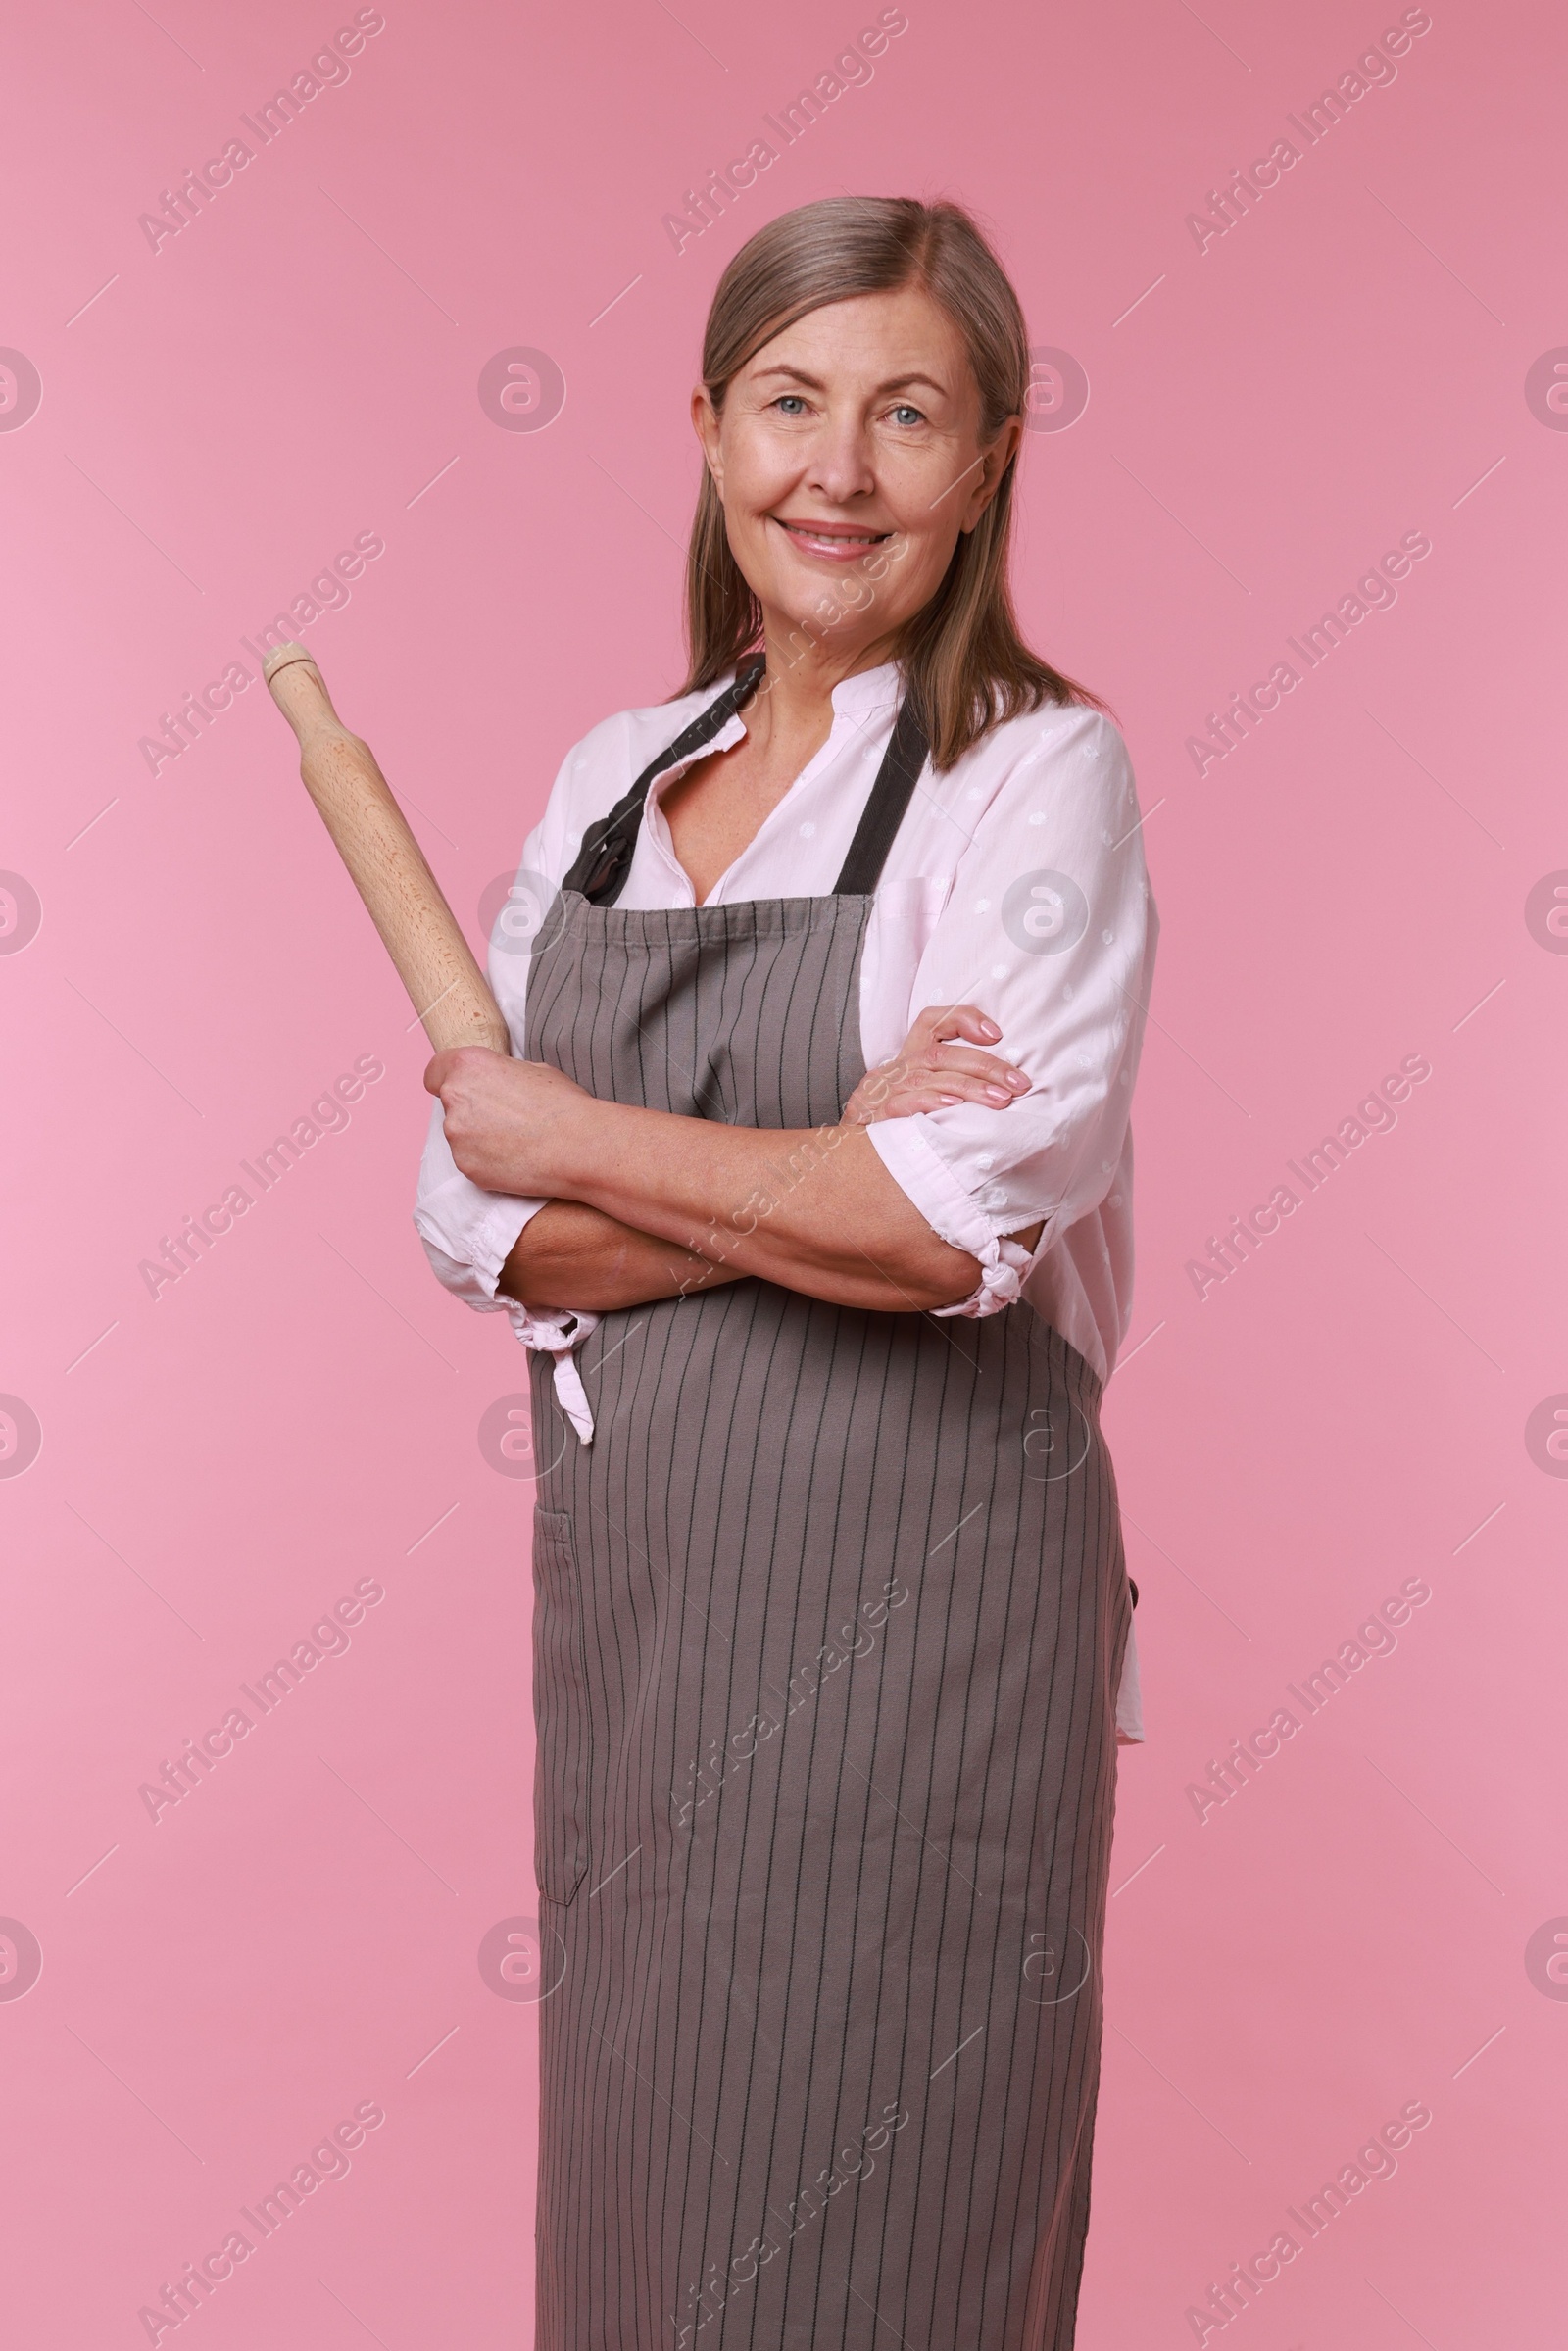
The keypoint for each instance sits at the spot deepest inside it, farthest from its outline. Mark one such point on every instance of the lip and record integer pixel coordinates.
(830, 542)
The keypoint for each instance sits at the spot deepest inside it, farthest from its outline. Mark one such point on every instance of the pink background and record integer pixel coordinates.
(300, 1411)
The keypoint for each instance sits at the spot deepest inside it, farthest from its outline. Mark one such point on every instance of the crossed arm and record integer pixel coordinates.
(644, 1205)
(639, 1204)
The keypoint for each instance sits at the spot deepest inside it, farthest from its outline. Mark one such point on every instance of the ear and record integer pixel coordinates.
(706, 425)
(993, 468)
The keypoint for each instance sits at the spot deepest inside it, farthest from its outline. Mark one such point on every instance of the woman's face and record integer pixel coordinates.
(848, 459)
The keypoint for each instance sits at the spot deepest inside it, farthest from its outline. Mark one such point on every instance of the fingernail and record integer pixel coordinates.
(998, 1094)
(989, 1028)
(1017, 1080)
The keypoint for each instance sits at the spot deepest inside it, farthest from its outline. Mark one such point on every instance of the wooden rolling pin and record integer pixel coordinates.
(417, 927)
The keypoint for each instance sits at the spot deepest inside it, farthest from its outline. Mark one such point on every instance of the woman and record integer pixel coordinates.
(830, 1605)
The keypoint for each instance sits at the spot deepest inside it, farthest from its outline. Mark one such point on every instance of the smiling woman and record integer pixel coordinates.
(869, 410)
(830, 1285)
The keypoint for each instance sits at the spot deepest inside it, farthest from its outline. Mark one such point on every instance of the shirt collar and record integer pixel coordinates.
(856, 697)
(866, 691)
(855, 700)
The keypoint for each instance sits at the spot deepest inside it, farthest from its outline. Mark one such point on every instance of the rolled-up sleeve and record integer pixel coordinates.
(467, 1233)
(1049, 929)
(468, 1236)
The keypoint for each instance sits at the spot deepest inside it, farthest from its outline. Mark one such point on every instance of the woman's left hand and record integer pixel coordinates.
(509, 1124)
(931, 1072)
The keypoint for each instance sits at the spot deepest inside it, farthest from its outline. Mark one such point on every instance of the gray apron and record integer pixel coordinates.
(829, 1620)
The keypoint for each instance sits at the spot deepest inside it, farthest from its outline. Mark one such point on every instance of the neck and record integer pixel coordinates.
(796, 695)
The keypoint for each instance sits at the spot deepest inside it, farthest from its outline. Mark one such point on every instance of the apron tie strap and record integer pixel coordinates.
(559, 1335)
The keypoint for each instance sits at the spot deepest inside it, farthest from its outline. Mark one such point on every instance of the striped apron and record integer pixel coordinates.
(829, 1620)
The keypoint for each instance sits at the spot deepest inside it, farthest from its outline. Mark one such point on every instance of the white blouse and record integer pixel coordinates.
(1017, 882)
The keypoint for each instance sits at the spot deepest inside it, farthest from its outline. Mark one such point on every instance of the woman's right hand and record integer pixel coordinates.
(930, 1072)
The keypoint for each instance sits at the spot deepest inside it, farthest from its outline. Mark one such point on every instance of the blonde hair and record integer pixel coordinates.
(966, 667)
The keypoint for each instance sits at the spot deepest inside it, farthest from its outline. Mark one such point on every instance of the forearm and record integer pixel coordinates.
(570, 1255)
(812, 1208)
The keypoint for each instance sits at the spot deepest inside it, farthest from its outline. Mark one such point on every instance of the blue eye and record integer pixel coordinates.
(907, 408)
(797, 397)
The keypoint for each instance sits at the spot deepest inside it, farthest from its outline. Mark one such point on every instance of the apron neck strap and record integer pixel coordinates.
(607, 846)
(605, 858)
(884, 810)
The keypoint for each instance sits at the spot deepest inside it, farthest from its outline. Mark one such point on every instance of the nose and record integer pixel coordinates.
(840, 467)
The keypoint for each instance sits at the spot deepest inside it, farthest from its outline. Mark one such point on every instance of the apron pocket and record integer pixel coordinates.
(562, 1719)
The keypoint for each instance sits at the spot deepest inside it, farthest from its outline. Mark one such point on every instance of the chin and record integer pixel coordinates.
(806, 601)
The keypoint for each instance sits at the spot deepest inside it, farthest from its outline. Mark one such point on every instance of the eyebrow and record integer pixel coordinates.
(814, 383)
